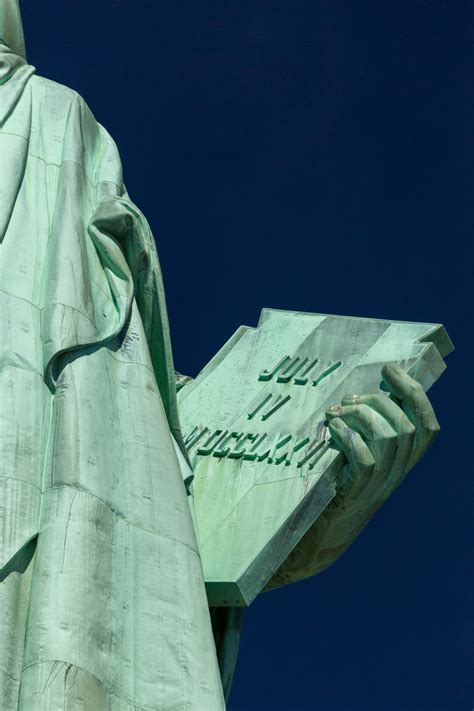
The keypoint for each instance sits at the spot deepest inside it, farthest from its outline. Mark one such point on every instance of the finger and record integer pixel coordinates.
(396, 418)
(386, 407)
(379, 436)
(356, 452)
(416, 405)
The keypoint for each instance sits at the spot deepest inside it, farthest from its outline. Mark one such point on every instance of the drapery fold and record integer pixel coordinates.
(112, 595)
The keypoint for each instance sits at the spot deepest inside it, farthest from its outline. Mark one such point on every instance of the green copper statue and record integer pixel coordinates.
(103, 600)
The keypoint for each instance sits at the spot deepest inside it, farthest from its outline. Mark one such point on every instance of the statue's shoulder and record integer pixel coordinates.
(60, 115)
(47, 90)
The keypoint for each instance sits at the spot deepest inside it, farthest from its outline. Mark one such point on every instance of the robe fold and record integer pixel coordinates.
(102, 598)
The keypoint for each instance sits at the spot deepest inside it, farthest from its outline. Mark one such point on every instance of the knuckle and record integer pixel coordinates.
(405, 438)
(413, 388)
(366, 463)
(427, 437)
(408, 429)
(388, 439)
(433, 429)
(366, 471)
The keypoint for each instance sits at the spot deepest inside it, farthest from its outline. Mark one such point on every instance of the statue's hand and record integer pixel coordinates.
(382, 437)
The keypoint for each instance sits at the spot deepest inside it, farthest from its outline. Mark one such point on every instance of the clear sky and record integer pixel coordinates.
(314, 155)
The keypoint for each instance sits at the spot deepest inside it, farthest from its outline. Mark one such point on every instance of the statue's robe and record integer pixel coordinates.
(102, 599)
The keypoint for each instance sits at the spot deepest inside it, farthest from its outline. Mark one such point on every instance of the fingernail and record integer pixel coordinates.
(333, 411)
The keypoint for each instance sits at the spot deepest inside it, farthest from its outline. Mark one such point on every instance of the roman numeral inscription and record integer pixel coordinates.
(298, 370)
(284, 449)
(258, 407)
(271, 403)
(279, 402)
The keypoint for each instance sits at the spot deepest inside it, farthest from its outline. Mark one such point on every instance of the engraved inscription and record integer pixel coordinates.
(274, 403)
(303, 377)
(268, 375)
(280, 401)
(295, 366)
(261, 404)
(296, 369)
(284, 449)
(327, 372)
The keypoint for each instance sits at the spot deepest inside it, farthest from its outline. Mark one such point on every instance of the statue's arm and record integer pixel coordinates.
(382, 438)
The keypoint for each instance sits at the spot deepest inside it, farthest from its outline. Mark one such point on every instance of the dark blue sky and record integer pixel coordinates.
(313, 155)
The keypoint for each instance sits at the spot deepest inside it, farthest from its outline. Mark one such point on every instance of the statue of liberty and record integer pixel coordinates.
(102, 595)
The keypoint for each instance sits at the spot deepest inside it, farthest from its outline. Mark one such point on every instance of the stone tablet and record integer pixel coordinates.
(254, 424)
